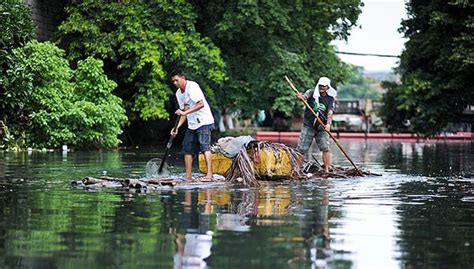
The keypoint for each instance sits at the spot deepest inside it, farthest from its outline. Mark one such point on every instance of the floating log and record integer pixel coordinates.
(98, 182)
(143, 184)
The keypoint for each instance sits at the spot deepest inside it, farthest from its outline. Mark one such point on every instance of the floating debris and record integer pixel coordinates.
(313, 170)
(262, 160)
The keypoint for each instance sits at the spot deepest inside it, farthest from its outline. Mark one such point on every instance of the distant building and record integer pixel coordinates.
(357, 115)
(361, 115)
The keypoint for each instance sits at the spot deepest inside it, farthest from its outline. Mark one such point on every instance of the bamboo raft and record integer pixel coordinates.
(254, 163)
(145, 184)
(312, 172)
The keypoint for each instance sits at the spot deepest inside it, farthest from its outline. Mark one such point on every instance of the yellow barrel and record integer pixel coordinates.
(272, 163)
(268, 163)
(220, 163)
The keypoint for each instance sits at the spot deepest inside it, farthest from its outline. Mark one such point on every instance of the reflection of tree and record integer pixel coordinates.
(436, 225)
(437, 159)
(41, 216)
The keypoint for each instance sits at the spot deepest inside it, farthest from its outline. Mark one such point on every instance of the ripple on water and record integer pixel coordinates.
(418, 214)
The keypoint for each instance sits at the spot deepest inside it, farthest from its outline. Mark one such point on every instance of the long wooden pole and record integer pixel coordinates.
(322, 124)
(168, 146)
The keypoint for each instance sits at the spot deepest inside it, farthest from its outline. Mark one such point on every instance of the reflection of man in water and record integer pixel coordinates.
(242, 206)
(193, 248)
(316, 233)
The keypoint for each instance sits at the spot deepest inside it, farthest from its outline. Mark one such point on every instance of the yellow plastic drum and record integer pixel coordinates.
(272, 163)
(268, 163)
(220, 163)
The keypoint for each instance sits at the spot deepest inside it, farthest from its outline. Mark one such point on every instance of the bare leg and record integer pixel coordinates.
(188, 164)
(208, 156)
(187, 201)
(207, 207)
(326, 160)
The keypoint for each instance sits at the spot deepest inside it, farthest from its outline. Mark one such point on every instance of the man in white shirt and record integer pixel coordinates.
(194, 108)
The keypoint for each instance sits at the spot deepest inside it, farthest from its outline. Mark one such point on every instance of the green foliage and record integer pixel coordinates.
(392, 117)
(41, 97)
(17, 29)
(97, 115)
(436, 66)
(140, 42)
(261, 41)
(359, 87)
(17, 26)
(55, 105)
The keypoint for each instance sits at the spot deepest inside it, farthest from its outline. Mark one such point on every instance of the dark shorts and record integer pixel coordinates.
(198, 140)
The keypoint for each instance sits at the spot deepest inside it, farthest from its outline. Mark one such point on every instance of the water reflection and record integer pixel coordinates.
(429, 159)
(417, 215)
(437, 223)
(238, 214)
(315, 230)
(194, 247)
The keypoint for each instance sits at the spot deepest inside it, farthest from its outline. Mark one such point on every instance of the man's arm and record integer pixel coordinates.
(330, 114)
(329, 120)
(174, 131)
(181, 121)
(199, 105)
(305, 96)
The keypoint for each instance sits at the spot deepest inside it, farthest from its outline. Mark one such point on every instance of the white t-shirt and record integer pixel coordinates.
(196, 249)
(193, 94)
(198, 245)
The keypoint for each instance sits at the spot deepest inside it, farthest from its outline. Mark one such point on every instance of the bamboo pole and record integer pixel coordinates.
(322, 124)
(168, 146)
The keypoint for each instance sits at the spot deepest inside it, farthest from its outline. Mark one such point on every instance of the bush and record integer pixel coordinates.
(17, 29)
(38, 94)
(97, 113)
(59, 106)
(16, 24)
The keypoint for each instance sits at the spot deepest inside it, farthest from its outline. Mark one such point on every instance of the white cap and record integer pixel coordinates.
(324, 81)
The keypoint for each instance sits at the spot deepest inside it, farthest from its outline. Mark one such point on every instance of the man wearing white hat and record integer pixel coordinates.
(321, 99)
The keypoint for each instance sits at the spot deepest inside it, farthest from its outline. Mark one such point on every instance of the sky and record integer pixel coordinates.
(377, 34)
